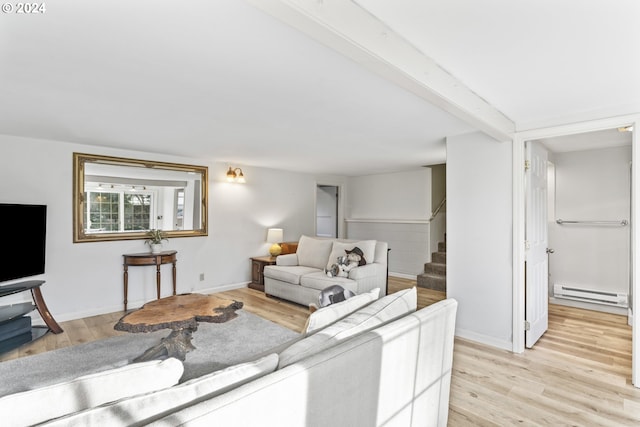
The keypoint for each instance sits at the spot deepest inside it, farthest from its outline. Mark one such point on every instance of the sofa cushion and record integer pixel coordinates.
(314, 252)
(319, 280)
(338, 249)
(334, 312)
(44, 403)
(289, 274)
(148, 407)
(371, 316)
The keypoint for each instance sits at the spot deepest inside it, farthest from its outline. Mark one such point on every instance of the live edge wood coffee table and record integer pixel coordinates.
(181, 314)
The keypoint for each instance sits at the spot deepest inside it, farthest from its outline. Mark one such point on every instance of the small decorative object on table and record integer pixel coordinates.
(155, 240)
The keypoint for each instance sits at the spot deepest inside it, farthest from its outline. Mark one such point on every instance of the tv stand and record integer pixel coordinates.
(14, 314)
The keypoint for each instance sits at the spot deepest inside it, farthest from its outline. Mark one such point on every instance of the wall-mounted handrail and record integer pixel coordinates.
(440, 206)
(620, 223)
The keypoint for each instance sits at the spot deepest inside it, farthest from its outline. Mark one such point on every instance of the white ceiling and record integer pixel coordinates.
(223, 81)
(540, 62)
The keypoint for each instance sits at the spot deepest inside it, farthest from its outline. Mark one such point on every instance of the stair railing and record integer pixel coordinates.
(437, 211)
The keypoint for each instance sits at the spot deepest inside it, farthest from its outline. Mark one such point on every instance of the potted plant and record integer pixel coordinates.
(155, 240)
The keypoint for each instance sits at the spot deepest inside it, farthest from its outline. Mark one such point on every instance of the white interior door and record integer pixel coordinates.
(536, 258)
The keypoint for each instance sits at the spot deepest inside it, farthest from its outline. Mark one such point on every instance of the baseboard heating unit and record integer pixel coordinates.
(617, 299)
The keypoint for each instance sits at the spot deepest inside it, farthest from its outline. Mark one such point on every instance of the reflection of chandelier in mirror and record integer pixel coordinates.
(235, 175)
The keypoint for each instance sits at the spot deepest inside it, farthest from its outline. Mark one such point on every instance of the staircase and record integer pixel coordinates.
(435, 272)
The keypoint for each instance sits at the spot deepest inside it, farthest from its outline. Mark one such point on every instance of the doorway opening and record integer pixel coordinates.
(587, 238)
(327, 210)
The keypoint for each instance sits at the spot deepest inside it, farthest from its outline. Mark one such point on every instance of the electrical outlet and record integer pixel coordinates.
(201, 277)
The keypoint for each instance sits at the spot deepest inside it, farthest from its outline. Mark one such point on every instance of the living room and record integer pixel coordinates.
(70, 111)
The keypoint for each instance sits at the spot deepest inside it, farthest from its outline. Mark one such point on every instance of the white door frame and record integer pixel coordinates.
(519, 223)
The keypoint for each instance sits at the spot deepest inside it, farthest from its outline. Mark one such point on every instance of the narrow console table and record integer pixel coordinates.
(147, 258)
(15, 314)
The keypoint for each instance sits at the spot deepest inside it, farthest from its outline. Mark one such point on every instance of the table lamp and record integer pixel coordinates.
(274, 235)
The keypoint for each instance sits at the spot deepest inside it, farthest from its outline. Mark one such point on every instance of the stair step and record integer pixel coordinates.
(435, 268)
(432, 281)
(439, 257)
(442, 246)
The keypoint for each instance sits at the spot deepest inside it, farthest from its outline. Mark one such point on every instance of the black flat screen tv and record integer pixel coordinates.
(24, 240)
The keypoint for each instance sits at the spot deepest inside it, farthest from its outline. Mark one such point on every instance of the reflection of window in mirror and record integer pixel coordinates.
(179, 209)
(117, 198)
(117, 209)
(136, 199)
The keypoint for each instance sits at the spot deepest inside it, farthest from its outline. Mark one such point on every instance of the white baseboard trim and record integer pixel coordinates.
(484, 339)
(222, 288)
(65, 317)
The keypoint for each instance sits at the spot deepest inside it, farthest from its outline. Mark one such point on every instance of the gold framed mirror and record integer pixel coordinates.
(116, 198)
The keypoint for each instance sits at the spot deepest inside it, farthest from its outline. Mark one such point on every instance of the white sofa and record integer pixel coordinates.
(384, 364)
(299, 277)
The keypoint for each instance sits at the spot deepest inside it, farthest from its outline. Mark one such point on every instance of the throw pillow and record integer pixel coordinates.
(334, 312)
(384, 310)
(368, 248)
(45, 403)
(145, 408)
(313, 252)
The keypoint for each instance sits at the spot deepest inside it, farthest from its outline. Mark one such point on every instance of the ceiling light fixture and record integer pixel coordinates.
(235, 175)
(626, 128)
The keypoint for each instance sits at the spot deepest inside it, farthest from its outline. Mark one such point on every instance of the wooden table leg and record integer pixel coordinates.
(158, 279)
(44, 311)
(177, 344)
(126, 285)
(174, 277)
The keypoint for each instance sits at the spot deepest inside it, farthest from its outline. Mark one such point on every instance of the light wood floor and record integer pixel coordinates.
(578, 374)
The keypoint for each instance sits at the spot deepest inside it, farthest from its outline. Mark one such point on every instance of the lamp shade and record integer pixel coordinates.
(274, 235)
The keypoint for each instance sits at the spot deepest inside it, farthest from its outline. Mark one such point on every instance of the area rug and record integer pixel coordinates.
(218, 345)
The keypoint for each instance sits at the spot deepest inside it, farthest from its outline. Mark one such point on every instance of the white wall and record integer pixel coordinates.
(591, 185)
(479, 237)
(399, 195)
(86, 278)
(395, 208)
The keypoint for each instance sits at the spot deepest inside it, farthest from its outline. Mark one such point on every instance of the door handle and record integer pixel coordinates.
(550, 251)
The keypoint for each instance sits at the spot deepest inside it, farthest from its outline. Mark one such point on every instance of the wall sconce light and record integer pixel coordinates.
(275, 236)
(235, 175)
